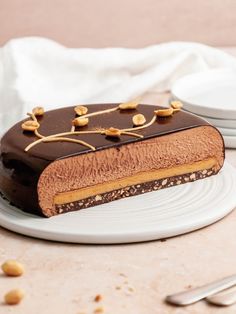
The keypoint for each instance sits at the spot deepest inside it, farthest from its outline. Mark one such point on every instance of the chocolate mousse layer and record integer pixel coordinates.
(57, 177)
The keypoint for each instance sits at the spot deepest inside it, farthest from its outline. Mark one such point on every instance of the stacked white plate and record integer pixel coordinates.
(211, 95)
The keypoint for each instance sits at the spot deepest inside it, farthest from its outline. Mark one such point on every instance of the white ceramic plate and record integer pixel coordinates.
(230, 141)
(150, 216)
(210, 93)
(227, 132)
(221, 123)
(224, 124)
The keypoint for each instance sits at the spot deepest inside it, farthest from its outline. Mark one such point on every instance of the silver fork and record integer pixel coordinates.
(196, 294)
(224, 298)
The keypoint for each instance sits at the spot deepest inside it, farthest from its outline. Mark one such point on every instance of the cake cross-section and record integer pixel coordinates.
(76, 157)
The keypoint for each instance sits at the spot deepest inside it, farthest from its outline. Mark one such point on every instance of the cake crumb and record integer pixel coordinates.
(129, 290)
(122, 275)
(118, 287)
(188, 287)
(163, 240)
(98, 298)
(99, 310)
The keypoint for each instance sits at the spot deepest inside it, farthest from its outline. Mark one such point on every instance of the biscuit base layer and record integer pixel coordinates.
(126, 187)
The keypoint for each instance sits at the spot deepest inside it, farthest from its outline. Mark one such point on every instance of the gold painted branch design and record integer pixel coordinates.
(82, 119)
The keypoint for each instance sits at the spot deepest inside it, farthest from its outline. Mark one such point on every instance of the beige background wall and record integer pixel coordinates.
(130, 23)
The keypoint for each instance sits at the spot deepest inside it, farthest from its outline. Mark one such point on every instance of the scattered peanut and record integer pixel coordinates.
(139, 119)
(99, 310)
(80, 121)
(98, 298)
(128, 105)
(12, 268)
(164, 112)
(30, 125)
(176, 105)
(81, 110)
(38, 111)
(113, 132)
(14, 296)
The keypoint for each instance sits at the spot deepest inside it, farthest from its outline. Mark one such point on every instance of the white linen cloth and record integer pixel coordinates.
(38, 71)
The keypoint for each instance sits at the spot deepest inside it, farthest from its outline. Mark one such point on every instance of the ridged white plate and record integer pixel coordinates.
(227, 131)
(224, 124)
(230, 141)
(164, 213)
(221, 123)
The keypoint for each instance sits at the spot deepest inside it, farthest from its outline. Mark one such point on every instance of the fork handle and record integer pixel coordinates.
(196, 294)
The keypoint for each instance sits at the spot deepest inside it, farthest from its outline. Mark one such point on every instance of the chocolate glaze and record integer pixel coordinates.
(20, 170)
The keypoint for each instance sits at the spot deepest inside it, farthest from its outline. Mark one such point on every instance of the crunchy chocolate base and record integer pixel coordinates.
(134, 190)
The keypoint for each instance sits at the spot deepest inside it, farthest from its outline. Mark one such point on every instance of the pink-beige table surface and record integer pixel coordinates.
(132, 279)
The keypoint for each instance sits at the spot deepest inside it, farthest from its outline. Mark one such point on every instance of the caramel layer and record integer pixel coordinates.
(76, 195)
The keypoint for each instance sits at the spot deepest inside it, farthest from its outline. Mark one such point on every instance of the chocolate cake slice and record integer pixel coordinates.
(73, 158)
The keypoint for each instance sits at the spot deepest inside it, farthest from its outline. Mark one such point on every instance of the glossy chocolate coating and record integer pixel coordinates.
(20, 170)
